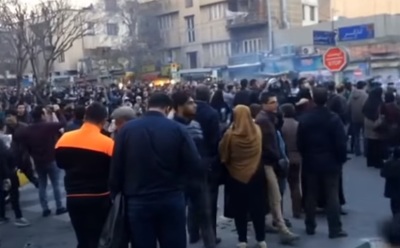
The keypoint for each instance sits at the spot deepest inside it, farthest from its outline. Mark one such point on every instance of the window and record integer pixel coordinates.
(192, 59)
(190, 28)
(165, 22)
(61, 58)
(217, 11)
(90, 26)
(304, 12)
(110, 5)
(112, 29)
(188, 3)
(220, 49)
(252, 46)
(312, 13)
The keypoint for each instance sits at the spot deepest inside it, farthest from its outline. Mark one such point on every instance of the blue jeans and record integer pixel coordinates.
(159, 218)
(51, 171)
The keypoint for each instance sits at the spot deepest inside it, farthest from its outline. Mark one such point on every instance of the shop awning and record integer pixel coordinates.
(243, 65)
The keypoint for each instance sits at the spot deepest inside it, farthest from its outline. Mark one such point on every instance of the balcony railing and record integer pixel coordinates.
(250, 20)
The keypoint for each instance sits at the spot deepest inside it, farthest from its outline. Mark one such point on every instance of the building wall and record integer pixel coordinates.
(385, 29)
(352, 9)
(325, 10)
(206, 35)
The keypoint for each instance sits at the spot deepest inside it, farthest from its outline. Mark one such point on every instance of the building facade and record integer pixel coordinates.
(206, 33)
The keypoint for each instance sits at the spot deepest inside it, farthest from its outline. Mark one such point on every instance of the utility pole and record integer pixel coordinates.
(270, 33)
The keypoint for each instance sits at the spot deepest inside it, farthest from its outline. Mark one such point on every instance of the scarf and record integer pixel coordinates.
(240, 147)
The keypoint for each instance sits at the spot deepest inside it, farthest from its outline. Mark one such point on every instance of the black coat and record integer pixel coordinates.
(391, 172)
(5, 156)
(322, 141)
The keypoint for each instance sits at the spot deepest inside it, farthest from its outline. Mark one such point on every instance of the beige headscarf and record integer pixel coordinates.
(240, 148)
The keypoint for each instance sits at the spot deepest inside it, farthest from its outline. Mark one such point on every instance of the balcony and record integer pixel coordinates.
(247, 21)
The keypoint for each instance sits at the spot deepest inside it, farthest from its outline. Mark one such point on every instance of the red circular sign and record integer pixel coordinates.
(335, 59)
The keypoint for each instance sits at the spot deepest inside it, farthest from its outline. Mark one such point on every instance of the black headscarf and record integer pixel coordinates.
(372, 105)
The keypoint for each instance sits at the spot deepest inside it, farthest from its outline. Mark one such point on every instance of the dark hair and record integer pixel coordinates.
(2, 123)
(179, 98)
(389, 97)
(253, 82)
(37, 113)
(96, 113)
(243, 83)
(79, 112)
(254, 110)
(288, 110)
(265, 96)
(305, 93)
(217, 100)
(320, 95)
(360, 85)
(203, 93)
(221, 86)
(331, 86)
(159, 100)
(11, 111)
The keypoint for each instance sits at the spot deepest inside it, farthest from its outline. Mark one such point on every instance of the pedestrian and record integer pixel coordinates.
(240, 151)
(85, 155)
(152, 156)
(321, 141)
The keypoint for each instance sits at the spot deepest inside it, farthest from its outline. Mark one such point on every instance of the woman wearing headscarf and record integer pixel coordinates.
(373, 128)
(240, 151)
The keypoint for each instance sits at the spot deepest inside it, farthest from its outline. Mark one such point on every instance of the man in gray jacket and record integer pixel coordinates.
(355, 106)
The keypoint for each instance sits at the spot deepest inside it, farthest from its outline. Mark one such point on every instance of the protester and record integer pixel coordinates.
(199, 216)
(373, 129)
(85, 155)
(267, 121)
(241, 149)
(321, 141)
(39, 139)
(208, 119)
(151, 157)
(77, 121)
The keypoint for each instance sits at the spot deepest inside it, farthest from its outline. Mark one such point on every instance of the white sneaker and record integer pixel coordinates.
(242, 245)
(22, 222)
(262, 244)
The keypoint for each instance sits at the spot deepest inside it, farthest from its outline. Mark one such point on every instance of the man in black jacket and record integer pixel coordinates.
(152, 158)
(243, 96)
(199, 217)
(321, 141)
(208, 119)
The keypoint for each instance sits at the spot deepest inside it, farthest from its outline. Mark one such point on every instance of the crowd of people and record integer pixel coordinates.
(167, 151)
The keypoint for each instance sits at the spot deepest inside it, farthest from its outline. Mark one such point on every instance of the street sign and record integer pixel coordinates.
(335, 59)
(356, 33)
(324, 38)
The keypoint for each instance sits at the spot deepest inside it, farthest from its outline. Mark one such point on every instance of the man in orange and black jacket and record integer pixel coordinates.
(85, 155)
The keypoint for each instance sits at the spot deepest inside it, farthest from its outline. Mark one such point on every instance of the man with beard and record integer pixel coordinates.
(199, 218)
(274, 166)
(208, 119)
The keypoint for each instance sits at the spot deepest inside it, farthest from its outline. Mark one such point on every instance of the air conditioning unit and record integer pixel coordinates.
(309, 50)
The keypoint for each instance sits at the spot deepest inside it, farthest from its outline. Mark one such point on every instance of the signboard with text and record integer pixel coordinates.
(356, 33)
(324, 38)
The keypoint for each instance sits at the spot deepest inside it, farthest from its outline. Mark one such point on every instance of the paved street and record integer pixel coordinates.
(365, 203)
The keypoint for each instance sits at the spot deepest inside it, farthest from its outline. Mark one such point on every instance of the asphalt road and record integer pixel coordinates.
(365, 204)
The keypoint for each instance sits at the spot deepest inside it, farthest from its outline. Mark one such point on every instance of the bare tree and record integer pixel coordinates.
(13, 25)
(55, 26)
(143, 38)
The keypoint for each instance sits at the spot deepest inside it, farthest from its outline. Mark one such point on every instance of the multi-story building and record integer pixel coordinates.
(108, 30)
(206, 33)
